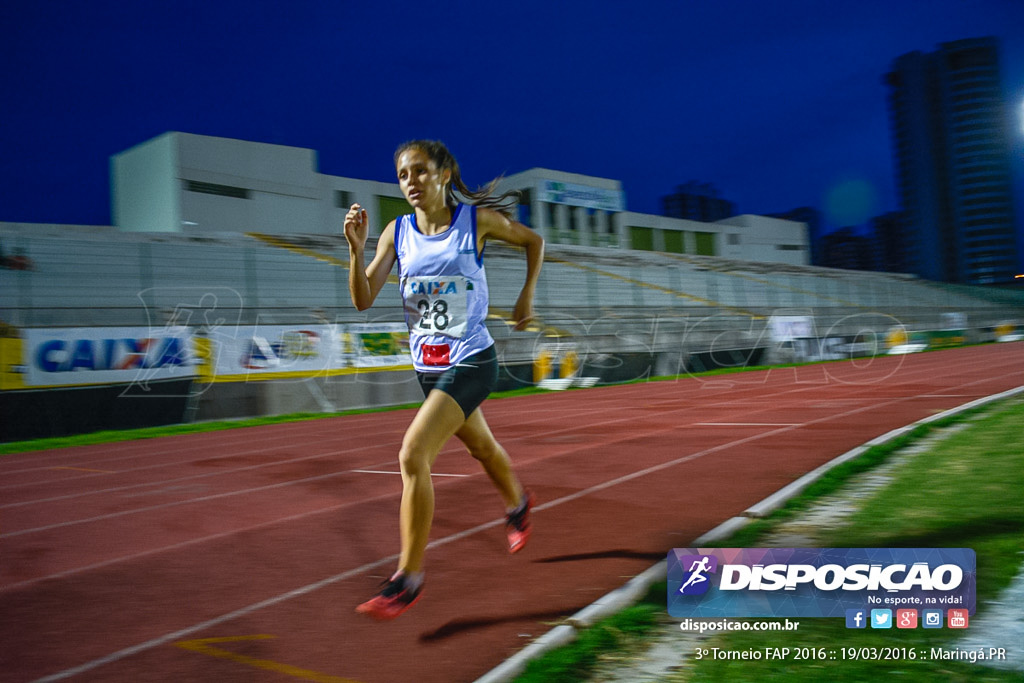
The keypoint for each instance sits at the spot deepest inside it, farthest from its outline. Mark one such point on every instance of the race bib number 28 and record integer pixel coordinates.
(436, 305)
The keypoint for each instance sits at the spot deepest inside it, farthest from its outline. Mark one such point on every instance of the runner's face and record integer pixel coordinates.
(422, 183)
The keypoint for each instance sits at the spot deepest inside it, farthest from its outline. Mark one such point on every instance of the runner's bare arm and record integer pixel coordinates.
(365, 282)
(494, 225)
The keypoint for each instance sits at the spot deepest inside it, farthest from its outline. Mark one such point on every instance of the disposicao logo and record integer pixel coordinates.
(823, 582)
(696, 581)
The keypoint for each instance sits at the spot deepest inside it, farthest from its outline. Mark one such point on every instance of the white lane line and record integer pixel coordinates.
(216, 621)
(748, 424)
(191, 477)
(192, 541)
(432, 474)
(163, 506)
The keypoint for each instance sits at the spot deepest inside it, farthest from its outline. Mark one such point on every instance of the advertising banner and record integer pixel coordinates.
(836, 348)
(381, 345)
(106, 355)
(555, 192)
(63, 357)
(275, 351)
(785, 328)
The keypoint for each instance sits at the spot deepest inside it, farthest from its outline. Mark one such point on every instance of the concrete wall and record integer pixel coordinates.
(144, 187)
(660, 225)
(315, 395)
(759, 238)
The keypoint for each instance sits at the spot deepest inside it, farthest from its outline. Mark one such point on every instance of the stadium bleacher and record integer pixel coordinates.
(99, 276)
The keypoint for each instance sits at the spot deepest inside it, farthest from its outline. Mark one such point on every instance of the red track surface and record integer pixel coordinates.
(120, 562)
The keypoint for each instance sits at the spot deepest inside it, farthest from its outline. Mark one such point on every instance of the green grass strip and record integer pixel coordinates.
(618, 633)
(965, 492)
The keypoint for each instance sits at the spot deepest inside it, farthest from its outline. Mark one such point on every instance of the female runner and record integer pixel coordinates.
(439, 250)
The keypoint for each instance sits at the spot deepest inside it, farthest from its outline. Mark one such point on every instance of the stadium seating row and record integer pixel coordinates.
(104, 277)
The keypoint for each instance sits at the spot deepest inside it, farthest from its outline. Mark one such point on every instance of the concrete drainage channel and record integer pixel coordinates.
(638, 586)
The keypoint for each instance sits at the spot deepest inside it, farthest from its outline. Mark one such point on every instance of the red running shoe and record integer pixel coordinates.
(518, 526)
(393, 599)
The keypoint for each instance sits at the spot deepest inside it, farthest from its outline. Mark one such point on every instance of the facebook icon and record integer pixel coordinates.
(856, 618)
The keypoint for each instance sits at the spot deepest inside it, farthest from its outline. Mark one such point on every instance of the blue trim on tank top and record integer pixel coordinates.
(455, 217)
(398, 255)
(479, 252)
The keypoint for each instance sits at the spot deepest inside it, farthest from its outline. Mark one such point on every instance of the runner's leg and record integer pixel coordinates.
(477, 436)
(436, 421)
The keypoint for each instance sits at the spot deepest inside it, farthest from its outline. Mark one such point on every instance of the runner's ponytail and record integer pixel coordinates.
(485, 196)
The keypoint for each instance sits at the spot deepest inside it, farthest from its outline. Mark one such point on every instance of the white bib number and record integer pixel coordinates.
(436, 305)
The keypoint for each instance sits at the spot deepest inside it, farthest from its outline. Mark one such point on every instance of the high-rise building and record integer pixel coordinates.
(845, 248)
(697, 202)
(950, 126)
(891, 238)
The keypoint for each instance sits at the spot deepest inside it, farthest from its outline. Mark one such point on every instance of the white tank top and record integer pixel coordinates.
(444, 291)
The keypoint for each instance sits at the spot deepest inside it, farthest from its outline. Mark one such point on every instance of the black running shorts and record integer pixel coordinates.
(469, 382)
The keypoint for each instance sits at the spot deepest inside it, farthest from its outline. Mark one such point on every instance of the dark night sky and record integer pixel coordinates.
(779, 104)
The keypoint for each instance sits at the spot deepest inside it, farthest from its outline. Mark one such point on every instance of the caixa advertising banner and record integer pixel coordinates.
(56, 357)
(817, 582)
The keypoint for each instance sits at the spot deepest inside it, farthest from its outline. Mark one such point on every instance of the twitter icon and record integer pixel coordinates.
(881, 618)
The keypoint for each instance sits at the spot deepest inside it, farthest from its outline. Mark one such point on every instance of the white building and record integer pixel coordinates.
(569, 208)
(759, 238)
(196, 184)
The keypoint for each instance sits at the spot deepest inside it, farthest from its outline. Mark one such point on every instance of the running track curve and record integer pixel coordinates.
(240, 555)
